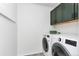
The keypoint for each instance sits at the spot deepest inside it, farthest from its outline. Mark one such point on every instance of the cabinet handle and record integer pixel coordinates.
(73, 16)
(76, 15)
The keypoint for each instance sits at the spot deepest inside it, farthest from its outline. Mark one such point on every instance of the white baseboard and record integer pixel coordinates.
(32, 53)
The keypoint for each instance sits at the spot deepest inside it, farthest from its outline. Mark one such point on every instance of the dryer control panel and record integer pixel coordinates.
(70, 42)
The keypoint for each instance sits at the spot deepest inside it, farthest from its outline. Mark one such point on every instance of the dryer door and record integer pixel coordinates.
(45, 44)
(59, 50)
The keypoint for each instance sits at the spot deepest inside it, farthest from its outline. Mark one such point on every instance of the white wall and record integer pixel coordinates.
(9, 9)
(53, 6)
(68, 28)
(8, 40)
(8, 30)
(33, 22)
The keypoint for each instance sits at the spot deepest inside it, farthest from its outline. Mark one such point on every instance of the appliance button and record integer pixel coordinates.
(59, 39)
(48, 36)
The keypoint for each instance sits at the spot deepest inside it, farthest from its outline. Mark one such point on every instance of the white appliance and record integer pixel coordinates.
(46, 44)
(65, 45)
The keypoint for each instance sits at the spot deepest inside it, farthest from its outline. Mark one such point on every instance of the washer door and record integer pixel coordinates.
(59, 50)
(45, 44)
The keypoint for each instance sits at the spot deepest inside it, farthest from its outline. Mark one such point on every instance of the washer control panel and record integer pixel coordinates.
(70, 42)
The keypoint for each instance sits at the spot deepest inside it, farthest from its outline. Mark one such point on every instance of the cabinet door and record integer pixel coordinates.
(68, 11)
(76, 10)
(53, 17)
(59, 14)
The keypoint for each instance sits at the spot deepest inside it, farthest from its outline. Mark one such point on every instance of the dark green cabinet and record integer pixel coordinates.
(64, 12)
(53, 17)
(59, 14)
(76, 10)
(68, 12)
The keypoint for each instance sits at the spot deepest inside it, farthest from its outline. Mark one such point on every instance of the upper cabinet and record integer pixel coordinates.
(68, 12)
(64, 12)
(9, 10)
(76, 11)
(53, 16)
(59, 14)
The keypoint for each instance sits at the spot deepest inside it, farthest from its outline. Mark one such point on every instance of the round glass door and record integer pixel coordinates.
(45, 44)
(59, 50)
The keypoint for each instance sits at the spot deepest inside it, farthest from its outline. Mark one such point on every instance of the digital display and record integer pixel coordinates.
(70, 42)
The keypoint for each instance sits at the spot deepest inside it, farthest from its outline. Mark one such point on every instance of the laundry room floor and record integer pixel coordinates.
(37, 54)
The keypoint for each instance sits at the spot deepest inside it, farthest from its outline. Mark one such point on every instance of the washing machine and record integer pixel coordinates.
(46, 45)
(65, 45)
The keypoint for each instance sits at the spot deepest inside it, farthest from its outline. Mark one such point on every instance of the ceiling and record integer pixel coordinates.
(49, 4)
